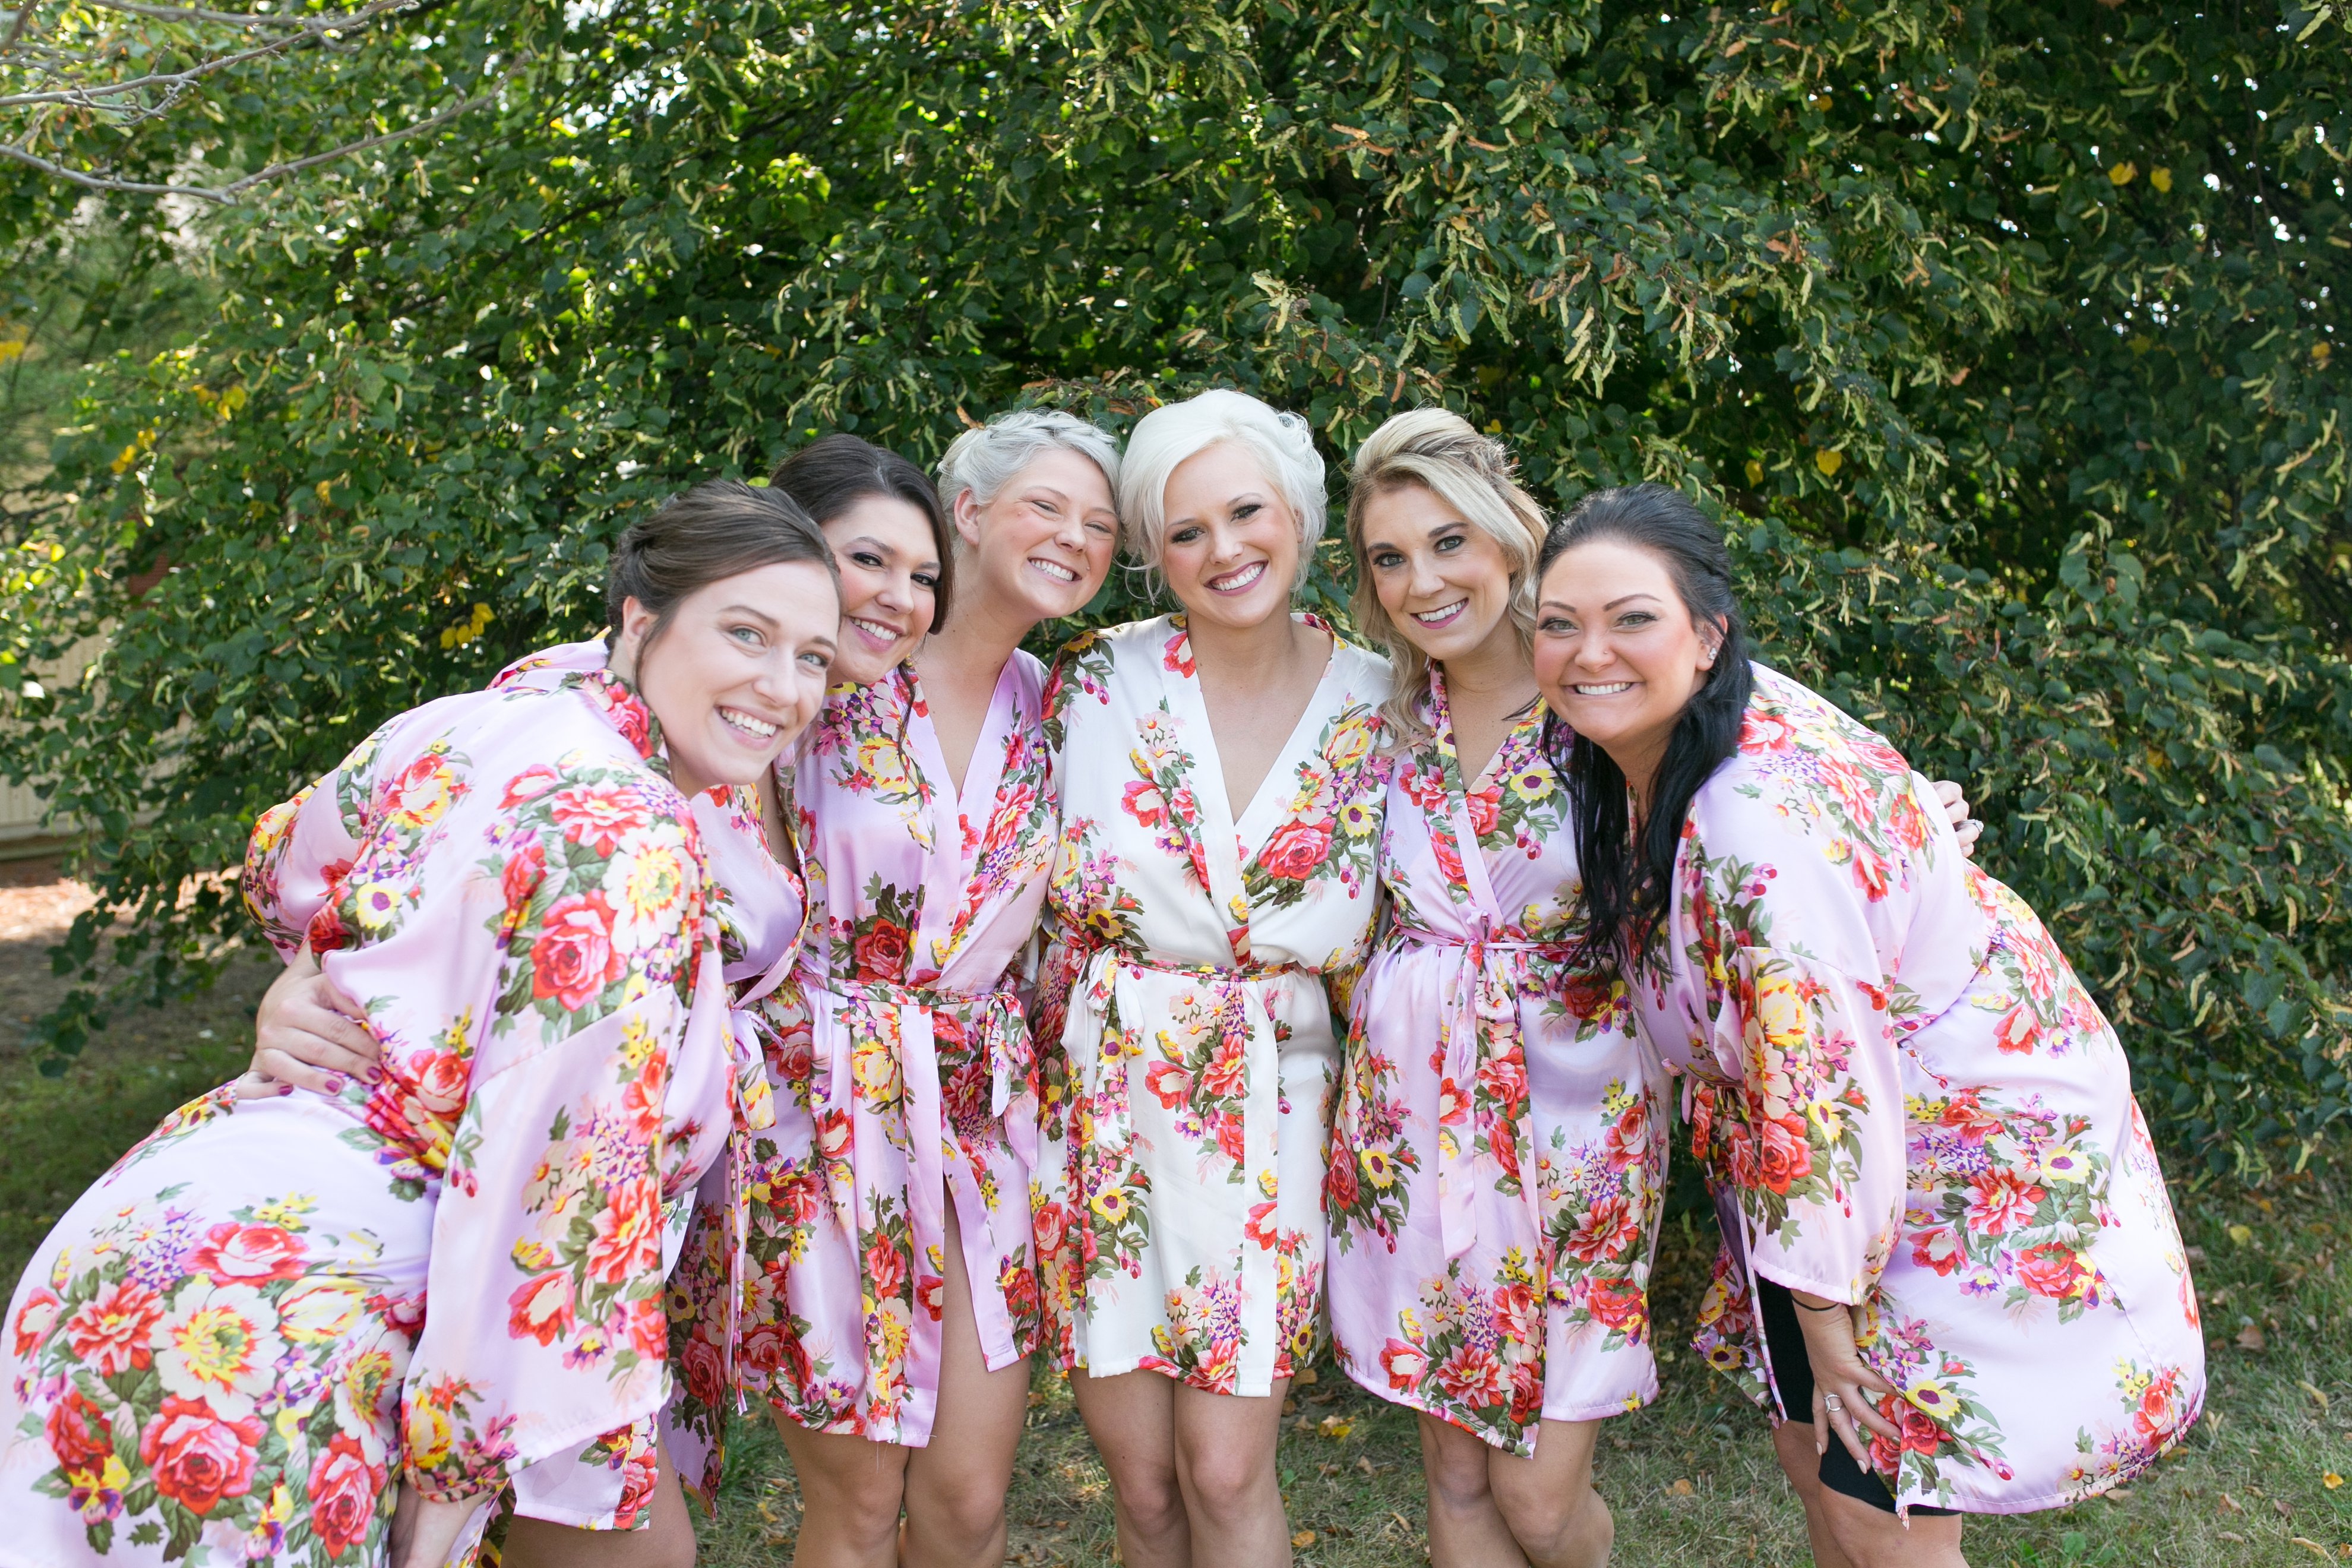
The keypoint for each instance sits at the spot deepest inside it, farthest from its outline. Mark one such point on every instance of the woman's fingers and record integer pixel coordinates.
(1954, 800)
(275, 1067)
(256, 1084)
(1842, 1421)
(1820, 1421)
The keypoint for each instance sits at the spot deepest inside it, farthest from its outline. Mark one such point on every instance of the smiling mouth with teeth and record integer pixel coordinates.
(1609, 690)
(1430, 617)
(1056, 570)
(875, 629)
(748, 725)
(1234, 582)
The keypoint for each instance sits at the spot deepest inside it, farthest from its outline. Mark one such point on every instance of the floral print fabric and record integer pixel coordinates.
(1497, 1169)
(1178, 1220)
(223, 1347)
(761, 910)
(1906, 1100)
(902, 1064)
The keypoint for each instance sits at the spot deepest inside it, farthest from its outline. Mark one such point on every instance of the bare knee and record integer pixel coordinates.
(1545, 1520)
(1225, 1482)
(1457, 1476)
(966, 1510)
(862, 1505)
(1793, 1441)
(1152, 1502)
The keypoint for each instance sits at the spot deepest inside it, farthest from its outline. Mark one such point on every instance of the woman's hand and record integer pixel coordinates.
(309, 1035)
(1955, 802)
(1845, 1391)
(423, 1533)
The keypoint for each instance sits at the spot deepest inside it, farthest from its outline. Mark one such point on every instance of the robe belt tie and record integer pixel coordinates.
(1482, 989)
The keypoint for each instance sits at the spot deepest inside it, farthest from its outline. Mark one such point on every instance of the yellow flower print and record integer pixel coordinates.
(1351, 743)
(376, 905)
(1779, 1011)
(1265, 1181)
(320, 1311)
(285, 1213)
(428, 1433)
(1531, 785)
(1379, 1169)
(1110, 1203)
(875, 1068)
(1933, 1398)
(1357, 819)
(637, 1042)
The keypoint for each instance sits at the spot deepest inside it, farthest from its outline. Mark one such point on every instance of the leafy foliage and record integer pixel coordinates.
(2000, 336)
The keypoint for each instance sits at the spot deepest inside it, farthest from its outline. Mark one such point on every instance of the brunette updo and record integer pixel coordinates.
(716, 531)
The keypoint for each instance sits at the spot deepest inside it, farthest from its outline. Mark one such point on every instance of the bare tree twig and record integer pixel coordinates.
(226, 194)
(252, 19)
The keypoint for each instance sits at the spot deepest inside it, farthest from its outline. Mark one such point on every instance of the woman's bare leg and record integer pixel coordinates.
(1847, 1532)
(1132, 1420)
(667, 1542)
(1547, 1499)
(851, 1490)
(1467, 1529)
(1225, 1446)
(956, 1485)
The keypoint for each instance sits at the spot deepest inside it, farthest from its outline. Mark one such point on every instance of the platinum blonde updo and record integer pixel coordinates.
(1283, 446)
(986, 458)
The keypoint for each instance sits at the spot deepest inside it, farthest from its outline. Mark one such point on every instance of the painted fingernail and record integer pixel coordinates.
(334, 1083)
(285, 1089)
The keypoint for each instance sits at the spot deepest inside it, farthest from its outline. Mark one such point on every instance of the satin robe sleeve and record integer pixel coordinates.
(301, 849)
(1795, 946)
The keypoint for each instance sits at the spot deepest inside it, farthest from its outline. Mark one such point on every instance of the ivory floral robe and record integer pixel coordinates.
(223, 1351)
(762, 910)
(1180, 1225)
(1904, 1099)
(1497, 1169)
(902, 1064)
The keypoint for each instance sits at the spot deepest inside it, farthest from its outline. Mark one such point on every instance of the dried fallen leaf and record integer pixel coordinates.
(2118, 1494)
(2285, 1511)
(2306, 1542)
(2231, 1503)
(2242, 1234)
(1682, 1487)
(2318, 1397)
(2234, 1535)
(1337, 1427)
(1304, 1537)
(2249, 1338)
(1304, 1379)
(2331, 1480)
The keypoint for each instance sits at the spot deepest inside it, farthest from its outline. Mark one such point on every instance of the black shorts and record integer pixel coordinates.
(1793, 1374)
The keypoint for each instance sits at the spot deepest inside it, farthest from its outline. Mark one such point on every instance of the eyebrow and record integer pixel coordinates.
(1620, 599)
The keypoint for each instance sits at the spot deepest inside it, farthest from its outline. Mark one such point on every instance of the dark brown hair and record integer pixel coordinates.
(711, 533)
(834, 473)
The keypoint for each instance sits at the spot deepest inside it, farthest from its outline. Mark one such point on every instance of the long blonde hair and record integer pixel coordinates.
(1475, 475)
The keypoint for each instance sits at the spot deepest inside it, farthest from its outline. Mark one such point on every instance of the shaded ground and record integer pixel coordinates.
(1691, 1479)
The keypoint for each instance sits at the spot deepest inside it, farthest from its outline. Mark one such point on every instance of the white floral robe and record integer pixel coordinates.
(1904, 1099)
(1180, 1225)
(1497, 1168)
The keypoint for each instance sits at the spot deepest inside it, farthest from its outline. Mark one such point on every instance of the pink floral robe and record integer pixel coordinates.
(1497, 1171)
(225, 1345)
(901, 1059)
(1180, 1225)
(1904, 1099)
(762, 912)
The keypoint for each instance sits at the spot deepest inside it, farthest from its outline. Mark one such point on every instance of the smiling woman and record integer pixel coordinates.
(222, 1346)
(1949, 1262)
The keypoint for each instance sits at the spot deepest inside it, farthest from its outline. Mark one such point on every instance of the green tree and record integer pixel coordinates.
(1999, 336)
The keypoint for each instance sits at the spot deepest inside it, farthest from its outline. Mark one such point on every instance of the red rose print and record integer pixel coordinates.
(332, 874)
(1169, 1083)
(327, 933)
(530, 785)
(598, 818)
(1920, 1433)
(628, 1233)
(881, 953)
(886, 1269)
(1229, 1138)
(573, 959)
(1787, 1157)
(1297, 850)
(236, 1254)
(1260, 1225)
(35, 1319)
(1227, 1072)
(1449, 857)
(525, 867)
(197, 1458)
(1178, 654)
(643, 1327)
(1485, 807)
(1627, 1138)
(1143, 802)
(702, 1370)
(1404, 1364)
(79, 1435)
(343, 1492)
(444, 1079)
(541, 1309)
(1339, 1188)
(1617, 1304)
(931, 1292)
(1526, 1392)
(1472, 1376)
(2049, 1270)
(637, 1482)
(109, 1331)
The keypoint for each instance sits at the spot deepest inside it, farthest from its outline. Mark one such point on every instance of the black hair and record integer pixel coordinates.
(834, 473)
(703, 536)
(1628, 872)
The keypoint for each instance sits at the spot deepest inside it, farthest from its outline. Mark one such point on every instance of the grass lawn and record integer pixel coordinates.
(1691, 1479)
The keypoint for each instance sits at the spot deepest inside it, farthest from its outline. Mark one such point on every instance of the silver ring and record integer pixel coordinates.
(1973, 822)
(1836, 1406)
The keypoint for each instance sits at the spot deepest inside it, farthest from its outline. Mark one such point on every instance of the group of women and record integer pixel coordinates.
(803, 996)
